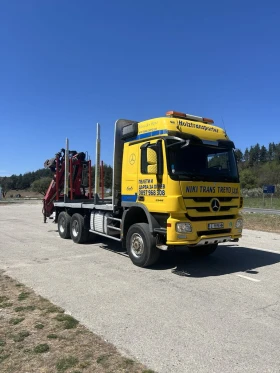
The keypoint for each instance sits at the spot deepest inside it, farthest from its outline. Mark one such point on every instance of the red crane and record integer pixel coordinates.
(79, 178)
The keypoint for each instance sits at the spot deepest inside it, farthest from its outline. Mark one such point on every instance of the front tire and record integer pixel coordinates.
(79, 233)
(141, 245)
(63, 225)
(203, 250)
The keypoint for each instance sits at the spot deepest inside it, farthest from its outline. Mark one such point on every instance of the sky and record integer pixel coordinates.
(66, 65)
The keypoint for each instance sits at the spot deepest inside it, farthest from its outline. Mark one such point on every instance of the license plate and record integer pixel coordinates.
(215, 225)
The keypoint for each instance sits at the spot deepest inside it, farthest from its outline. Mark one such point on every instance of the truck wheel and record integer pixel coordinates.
(63, 224)
(141, 245)
(79, 233)
(203, 250)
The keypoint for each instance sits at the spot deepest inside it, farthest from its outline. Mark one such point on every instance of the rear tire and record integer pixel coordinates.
(63, 224)
(203, 250)
(79, 233)
(141, 245)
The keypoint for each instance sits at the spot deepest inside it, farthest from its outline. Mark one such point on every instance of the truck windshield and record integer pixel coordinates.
(200, 162)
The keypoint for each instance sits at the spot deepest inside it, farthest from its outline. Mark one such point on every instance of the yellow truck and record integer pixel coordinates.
(175, 183)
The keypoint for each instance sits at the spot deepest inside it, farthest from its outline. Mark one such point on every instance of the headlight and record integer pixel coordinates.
(239, 223)
(183, 227)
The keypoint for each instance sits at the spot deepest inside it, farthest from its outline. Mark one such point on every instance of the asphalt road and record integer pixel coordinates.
(261, 211)
(219, 314)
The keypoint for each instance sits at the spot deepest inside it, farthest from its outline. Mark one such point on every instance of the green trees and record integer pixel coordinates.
(5, 183)
(108, 175)
(248, 179)
(259, 166)
(23, 181)
(41, 185)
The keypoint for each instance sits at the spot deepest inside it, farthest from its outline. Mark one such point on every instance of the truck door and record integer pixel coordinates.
(129, 173)
(152, 176)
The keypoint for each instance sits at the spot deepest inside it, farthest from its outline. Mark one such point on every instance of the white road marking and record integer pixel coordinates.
(249, 278)
(266, 250)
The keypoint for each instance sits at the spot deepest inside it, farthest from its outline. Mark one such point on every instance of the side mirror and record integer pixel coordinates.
(152, 161)
(151, 158)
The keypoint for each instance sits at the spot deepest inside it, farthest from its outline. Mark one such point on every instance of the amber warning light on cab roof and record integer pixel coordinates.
(177, 114)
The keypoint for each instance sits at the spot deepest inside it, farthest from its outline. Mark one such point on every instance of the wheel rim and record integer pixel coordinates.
(75, 228)
(62, 225)
(136, 245)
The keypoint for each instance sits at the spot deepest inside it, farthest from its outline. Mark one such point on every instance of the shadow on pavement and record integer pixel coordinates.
(110, 245)
(226, 259)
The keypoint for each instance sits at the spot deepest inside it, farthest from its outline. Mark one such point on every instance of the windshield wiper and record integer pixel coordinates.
(180, 142)
(175, 143)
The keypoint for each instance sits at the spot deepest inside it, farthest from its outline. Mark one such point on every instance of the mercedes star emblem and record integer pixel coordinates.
(215, 205)
(132, 158)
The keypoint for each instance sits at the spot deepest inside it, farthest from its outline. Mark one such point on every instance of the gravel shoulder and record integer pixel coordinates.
(37, 336)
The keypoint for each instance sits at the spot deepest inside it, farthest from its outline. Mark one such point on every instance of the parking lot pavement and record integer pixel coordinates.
(218, 314)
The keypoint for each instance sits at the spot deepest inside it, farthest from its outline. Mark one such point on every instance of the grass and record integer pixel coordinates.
(103, 360)
(262, 222)
(52, 336)
(3, 298)
(39, 326)
(16, 320)
(21, 336)
(41, 348)
(3, 357)
(66, 362)
(27, 308)
(37, 335)
(68, 321)
(23, 295)
(54, 309)
(6, 304)
(259, 202)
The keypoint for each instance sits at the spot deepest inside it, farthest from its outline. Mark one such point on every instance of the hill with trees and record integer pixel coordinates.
(259, 166)
(22, 181)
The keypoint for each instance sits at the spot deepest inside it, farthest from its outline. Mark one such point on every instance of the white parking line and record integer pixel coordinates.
(266, 250)
(249, 278)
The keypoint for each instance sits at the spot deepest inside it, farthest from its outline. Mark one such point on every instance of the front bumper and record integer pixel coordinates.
(200, 234)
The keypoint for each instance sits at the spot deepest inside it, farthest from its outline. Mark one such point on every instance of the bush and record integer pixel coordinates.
(39, 349)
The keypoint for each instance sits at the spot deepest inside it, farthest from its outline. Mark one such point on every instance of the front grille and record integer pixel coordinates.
(227, 208)
(201, 209)
(214, 231)
(208, 199)
(207, 209)
(203, 218)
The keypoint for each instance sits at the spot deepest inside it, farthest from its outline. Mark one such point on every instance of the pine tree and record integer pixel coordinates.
(263, 154)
